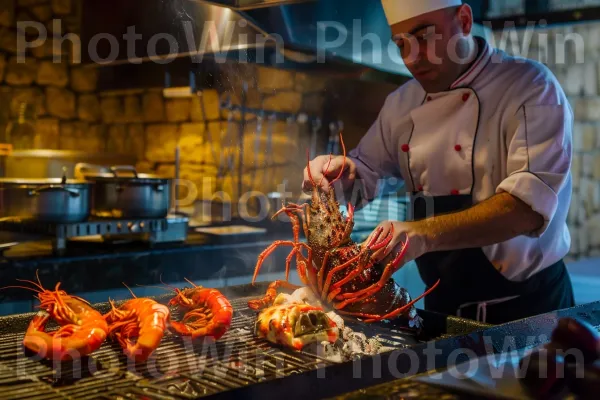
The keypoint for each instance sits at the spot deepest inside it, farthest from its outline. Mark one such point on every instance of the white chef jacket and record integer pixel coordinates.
(504, 126)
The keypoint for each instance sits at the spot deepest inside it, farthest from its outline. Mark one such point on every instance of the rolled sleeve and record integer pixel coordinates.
(539, 153)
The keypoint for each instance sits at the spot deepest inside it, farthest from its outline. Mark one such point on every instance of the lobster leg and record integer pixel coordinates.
(365, 263)
(396, 312)
(306, 269)
(288, 262)
(321, 274)
(270, 295)
(199, 329)
(349, 222)
(302, 210)
(333, 271)
(296, 231)
(389, 270)
(362, 263)
(272, 248)
(267, 252)
(304, 265)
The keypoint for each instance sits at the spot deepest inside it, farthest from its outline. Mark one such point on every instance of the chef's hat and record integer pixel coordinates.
(401, 10)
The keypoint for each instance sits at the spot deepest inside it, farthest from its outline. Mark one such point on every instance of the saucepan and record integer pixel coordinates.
(122, 192)
(56, 200)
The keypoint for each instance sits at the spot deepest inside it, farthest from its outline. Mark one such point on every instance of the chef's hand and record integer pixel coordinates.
(412, 232)
(321, 168)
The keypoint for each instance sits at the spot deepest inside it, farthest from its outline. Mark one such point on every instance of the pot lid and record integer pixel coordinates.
(42, 181)
(139, 178)
(117, 173)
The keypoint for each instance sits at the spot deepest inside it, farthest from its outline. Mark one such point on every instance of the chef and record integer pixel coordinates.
(482, 143)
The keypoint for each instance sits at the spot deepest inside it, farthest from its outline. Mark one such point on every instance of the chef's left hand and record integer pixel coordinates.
(402, 231)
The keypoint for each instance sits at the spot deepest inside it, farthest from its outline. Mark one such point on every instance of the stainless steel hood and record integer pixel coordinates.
(253, 4)
(318, 32)
(308, 34)
(341, 37)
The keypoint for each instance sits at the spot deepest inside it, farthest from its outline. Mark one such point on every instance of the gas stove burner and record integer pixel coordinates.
(173, 228)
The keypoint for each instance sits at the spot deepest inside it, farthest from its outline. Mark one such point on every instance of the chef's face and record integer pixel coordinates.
(433, 45)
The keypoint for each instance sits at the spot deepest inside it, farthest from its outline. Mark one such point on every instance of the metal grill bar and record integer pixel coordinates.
(180, 369)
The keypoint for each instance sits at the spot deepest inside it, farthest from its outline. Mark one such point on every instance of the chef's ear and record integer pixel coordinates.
(465, 18)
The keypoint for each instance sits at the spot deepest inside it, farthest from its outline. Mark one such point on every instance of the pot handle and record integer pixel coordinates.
(53, 188)
(7, 246)
(130, 168)
(80, 169)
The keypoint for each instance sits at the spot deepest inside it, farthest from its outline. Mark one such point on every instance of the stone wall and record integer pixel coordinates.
(572, 52)
(145, 123)
(54, 89)
(72, 114)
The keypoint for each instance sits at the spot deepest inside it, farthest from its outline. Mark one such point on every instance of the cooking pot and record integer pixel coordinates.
(48, 200)
(120, 192)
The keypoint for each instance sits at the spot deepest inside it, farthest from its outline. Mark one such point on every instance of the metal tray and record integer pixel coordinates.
(232, 230)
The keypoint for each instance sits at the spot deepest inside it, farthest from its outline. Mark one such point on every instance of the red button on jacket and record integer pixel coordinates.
(455, 192)
(405, 148)
(466, 96)
(458, 147)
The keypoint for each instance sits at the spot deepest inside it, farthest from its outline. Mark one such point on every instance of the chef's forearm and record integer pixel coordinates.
(495, 220)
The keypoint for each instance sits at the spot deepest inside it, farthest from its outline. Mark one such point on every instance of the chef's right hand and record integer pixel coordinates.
(323, 171)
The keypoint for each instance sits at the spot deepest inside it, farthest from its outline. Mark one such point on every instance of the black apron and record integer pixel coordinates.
(467, 276)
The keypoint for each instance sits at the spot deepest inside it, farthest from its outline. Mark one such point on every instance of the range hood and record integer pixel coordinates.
(297, 34)
(341, 37)
(313, 32)
(253, 4)
(334, 32)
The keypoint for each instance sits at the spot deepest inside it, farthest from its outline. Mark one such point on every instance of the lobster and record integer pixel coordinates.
(82, 329)
(295, 325)
(339, 271)
(138, 325)
(209, 312)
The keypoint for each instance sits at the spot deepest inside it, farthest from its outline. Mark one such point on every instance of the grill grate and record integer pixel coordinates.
(180, 369)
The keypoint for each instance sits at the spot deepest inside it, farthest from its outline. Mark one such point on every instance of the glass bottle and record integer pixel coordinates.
(21, 133)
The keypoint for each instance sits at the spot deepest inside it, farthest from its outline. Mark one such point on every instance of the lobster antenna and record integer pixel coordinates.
(32, 282)
(169, 286)
(38, 285)
(59, 299)
(130, 291)
(344, 152)
(113, 308)
(154, 286)
(326, 169)
(37, 275)
(308, 168)
(191, 283)
(20, 287)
